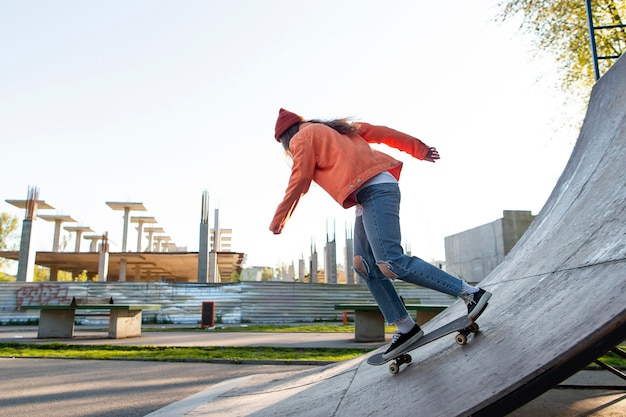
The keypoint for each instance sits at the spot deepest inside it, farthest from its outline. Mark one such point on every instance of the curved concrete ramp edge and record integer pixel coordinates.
(558, 303)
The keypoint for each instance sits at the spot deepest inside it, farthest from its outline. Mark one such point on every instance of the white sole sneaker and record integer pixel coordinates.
(481, 303)
(404, 344)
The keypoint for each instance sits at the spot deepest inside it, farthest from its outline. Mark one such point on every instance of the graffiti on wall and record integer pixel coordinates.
(44, 294)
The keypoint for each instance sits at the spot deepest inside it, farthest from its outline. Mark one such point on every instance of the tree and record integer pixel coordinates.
(8, 235)
(8, 231)
(234, 276)
(560, 28)
(267, 274)
(41, 274)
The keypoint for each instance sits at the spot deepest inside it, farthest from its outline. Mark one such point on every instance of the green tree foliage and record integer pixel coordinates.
(83, 277)
(64, 276)
(41, 274)
(560, 27)
(6, 278)
(267, 274)
(234, 276)
(8, 238)
(8, 231)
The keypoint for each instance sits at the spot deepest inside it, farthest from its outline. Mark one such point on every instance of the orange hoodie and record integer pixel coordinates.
(340, 163)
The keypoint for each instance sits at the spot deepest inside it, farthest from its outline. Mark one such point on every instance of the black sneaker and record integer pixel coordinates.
(401, 341)
(476, 303)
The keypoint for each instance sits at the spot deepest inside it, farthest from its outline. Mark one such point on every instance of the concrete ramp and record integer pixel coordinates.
(559, 302)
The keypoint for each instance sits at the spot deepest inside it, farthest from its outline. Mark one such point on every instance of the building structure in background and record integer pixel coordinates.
(330, 257)
(351, 277)
(471, 254)
(301, 269)
(203, 244)
(474, 253)
(313, 279)
(162, 260)
(26, 255)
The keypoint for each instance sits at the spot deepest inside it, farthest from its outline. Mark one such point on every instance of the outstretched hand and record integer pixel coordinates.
(432, 155)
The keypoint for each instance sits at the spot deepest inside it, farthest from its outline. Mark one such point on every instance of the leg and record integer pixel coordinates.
(384, 292)
(381, 287)
(381, 221)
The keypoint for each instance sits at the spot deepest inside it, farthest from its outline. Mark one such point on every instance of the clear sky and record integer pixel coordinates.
(156, 101)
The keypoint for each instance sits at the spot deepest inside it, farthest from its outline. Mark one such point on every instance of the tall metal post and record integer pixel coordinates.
(204, 246)
(592, 40)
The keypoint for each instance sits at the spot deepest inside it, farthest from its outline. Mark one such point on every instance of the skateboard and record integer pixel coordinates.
(463, 325)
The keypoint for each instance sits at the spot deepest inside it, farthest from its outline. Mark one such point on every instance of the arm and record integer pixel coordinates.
(398, 140)
(299, 182)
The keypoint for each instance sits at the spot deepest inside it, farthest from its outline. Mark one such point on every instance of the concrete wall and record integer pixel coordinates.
(474, 253)
(514, 225)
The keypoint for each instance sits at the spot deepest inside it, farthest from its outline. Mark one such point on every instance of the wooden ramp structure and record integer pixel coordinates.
(559, 302)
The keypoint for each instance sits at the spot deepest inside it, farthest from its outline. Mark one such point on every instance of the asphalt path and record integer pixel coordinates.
(90, 388)
(122, 388)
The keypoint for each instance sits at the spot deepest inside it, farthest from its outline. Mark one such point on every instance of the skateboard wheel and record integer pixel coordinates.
(407, 358)
(474, 328)
(394, 368)
(461, 339)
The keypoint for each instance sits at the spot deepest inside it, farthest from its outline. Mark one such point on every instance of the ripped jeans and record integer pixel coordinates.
(377, 243)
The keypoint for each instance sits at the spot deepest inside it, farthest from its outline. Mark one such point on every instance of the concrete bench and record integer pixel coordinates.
(369, 323)
(57, 321)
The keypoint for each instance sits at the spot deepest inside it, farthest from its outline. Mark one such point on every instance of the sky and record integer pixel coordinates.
(157, 101)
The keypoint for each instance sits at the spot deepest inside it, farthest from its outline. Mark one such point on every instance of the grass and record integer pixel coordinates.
(268, 328)
(613, 359)
(197, 354)
(168, 353)
(232, 354)
(200, 354)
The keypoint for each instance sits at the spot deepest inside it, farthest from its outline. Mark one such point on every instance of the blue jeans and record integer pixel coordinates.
(377, 241)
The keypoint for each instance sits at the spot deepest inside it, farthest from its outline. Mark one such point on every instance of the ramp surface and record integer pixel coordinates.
(558, 303)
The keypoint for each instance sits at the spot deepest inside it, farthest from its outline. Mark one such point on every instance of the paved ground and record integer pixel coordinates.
(78, 388)
(96, 336)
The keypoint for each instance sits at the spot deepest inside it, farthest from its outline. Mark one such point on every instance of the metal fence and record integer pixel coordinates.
(181, 303)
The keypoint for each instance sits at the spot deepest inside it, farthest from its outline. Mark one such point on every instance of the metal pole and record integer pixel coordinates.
(592, 38)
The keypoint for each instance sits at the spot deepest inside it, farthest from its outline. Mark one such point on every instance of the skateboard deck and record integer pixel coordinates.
(463, 325)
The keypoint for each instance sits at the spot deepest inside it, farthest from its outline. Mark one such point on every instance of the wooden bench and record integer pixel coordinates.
(57, 321)
(369, 323)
